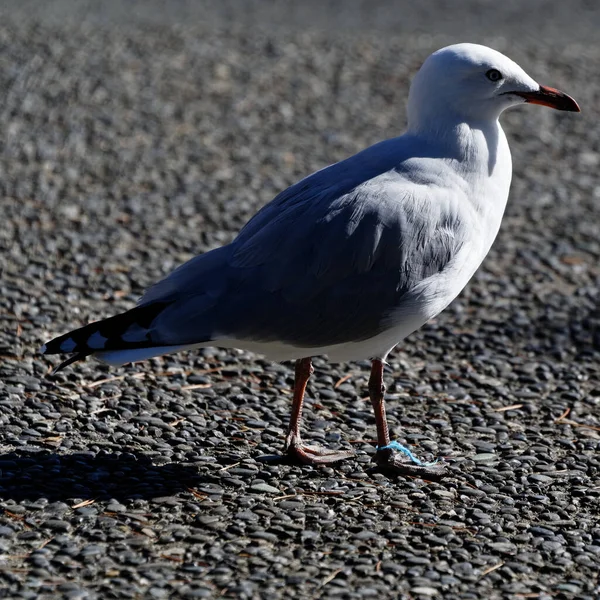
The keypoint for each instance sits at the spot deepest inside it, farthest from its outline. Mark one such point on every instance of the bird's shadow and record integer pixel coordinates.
(103, 476)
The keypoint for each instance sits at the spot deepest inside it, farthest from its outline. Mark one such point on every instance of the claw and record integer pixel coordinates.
(314, 455)
(395, 463)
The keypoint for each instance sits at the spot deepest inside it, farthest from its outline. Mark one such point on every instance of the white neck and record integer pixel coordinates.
(479, 155)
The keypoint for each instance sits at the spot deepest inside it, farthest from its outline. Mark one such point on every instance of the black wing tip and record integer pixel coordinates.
(54, 346)
(112, 328)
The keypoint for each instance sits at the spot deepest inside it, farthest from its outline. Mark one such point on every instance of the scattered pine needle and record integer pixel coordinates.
(84, 503)
(582, 425)
(492, 569)
(196, 494)
(564, 421)
(330, 578)
(423, 524)
(171, 557)
(197, 386)
(13, 515)
(511, 407)
(229, 467)
(176, 422)
(103, 410)
(468, 484)
(286, 496)
(342, 380)
(325, 493)
(16, 556)
(111, 379)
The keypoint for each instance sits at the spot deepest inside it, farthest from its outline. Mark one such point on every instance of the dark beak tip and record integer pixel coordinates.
(570, 105)
(547, 96)
(556, 99)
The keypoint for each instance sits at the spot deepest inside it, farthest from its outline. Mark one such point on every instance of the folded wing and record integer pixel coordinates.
(325, 263)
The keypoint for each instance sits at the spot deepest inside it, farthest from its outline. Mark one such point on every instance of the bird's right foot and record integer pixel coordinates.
(399, 460)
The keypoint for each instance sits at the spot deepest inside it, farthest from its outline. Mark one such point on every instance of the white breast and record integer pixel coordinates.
(486, 195)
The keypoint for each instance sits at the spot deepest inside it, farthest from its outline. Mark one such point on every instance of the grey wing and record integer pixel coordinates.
(318, 273)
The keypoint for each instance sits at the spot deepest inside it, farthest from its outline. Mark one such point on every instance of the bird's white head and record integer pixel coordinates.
(473, 84)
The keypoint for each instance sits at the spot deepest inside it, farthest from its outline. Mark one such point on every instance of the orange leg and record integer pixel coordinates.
(308, 454)
(385, 456)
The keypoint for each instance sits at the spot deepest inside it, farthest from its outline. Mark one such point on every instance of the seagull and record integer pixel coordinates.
(353, 258)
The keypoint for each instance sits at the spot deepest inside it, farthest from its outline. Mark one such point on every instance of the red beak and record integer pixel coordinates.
(547, 96)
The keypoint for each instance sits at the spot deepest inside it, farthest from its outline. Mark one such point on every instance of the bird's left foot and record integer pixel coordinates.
(314, 455)
(399, 460)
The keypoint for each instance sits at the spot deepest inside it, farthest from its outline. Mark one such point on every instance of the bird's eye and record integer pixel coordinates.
(494, 75)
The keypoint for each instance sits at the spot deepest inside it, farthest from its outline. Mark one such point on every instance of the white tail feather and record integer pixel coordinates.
(116, 358)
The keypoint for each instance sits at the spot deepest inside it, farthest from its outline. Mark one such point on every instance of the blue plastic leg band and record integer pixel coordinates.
(397, 446)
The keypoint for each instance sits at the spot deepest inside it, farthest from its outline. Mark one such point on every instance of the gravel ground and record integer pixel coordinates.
(127, 149)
